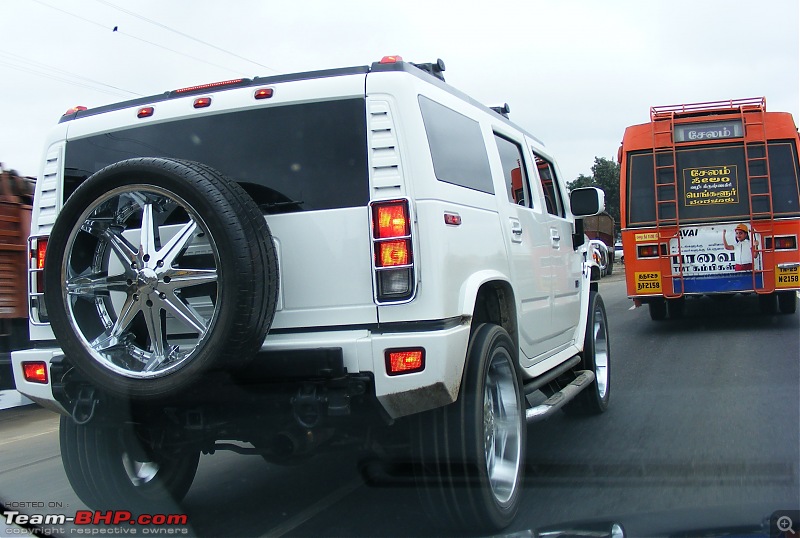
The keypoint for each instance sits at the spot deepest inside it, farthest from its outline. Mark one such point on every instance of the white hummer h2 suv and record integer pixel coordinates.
(360, 257)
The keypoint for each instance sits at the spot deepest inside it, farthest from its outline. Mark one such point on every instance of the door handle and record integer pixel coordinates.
(555, 237)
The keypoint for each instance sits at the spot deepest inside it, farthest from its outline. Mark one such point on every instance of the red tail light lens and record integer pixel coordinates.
(41, 251)
(788, 242)
(404, 361)
(35, 372)
(648, 251)
(391, 220)
(394, 253)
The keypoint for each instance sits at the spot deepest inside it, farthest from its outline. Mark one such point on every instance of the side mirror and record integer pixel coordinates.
(587, 201)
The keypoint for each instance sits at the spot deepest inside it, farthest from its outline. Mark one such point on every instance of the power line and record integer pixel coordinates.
(49, 70)
(165, 27)
(55, 77)
(138, 38)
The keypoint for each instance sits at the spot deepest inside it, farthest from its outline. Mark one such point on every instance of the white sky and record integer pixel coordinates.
(574, 72)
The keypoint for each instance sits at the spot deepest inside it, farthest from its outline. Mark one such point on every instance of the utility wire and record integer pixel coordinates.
(32, 66)
(138, 38)
(58, 78)
(165, 27)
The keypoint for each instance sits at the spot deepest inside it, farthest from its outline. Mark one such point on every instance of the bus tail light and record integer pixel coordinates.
(404, 361)
(647, 251)
(393, 258)
(35, 372)
(786, 242)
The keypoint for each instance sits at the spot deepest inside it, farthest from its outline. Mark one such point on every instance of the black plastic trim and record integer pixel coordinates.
(257, 81)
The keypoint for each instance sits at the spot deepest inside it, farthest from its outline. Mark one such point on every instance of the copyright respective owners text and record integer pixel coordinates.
(26, 522)
(785, 524)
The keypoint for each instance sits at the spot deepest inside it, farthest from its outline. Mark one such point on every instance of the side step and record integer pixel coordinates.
(560, 398)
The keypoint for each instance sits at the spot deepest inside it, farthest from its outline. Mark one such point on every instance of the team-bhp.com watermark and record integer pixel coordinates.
(95, 522)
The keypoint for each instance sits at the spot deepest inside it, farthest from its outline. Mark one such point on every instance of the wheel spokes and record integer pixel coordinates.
(150, 325)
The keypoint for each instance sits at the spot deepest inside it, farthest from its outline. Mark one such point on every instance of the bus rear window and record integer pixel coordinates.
(713, 184)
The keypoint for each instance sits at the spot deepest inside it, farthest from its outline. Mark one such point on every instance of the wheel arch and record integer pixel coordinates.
(488, 297)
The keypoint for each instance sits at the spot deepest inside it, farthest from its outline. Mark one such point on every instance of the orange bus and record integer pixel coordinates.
(710, 204)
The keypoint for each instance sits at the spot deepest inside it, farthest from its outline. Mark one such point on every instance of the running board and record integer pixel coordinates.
(560, 398)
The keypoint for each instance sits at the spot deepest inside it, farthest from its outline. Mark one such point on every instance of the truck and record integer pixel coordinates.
(16, 198)
(360, 258)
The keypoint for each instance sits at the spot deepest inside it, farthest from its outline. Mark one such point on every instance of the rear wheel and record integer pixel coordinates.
(469, 460)
(658, 309)
(787, 302)
(676, 307)
(768, 303)
(120, 468)
(158, 272)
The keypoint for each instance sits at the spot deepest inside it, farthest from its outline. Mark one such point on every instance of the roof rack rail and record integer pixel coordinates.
(436, 69)
(753, 103)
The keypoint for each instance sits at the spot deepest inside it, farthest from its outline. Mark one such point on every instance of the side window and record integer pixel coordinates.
(457, 148)
(550, 186)
(516, 178)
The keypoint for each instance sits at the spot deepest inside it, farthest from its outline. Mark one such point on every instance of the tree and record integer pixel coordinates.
(605, 175)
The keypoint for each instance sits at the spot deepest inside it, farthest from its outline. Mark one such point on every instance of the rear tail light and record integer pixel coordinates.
(393, 257)
(404, 361)
(38, 252)
(35, 372)
(786, 242)
(647, 251)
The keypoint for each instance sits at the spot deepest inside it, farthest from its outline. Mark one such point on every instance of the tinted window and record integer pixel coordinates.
(516, 177)
(457, 148)
(294, 158)
(550, 186)
(712, 183)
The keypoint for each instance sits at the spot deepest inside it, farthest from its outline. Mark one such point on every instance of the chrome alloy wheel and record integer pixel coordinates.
(600, 336)
(502, 427)
(140, 273)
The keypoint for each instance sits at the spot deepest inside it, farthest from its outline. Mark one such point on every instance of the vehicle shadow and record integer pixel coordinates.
(724, 313)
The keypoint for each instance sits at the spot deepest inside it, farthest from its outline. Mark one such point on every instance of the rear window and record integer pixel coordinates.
(457, 147)
(291, 158)
(712, 184)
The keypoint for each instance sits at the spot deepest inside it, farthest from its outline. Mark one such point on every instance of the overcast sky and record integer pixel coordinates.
(574, 72)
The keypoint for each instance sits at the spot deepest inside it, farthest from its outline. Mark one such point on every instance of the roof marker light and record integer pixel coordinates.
(202, 102)
(391, 59)
(264, 93)
(74, 109)
(145, 112)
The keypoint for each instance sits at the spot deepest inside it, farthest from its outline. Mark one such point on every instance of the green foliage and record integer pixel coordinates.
(605, 175)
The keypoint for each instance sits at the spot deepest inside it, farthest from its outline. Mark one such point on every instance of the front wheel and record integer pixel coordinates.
(469, 461)
(596, 357)
(118, 468)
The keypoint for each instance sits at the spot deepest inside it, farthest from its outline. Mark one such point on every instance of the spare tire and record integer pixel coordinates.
(159, 271)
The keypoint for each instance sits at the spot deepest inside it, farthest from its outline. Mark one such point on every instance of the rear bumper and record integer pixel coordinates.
(294, 355)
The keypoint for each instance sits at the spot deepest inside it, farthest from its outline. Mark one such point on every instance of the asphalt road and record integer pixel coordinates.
(703, 430)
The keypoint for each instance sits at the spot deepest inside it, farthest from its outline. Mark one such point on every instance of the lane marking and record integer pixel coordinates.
(315, 509)
(28, 436)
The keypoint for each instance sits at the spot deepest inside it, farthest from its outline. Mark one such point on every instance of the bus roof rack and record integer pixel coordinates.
(752, 103)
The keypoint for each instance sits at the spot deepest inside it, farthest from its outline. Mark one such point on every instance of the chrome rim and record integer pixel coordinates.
(139, 472)
(600, 335)
(140, 272)
(502, 427)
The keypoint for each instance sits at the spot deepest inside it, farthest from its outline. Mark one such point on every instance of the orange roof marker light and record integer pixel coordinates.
(74, 110)
(391, 59)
